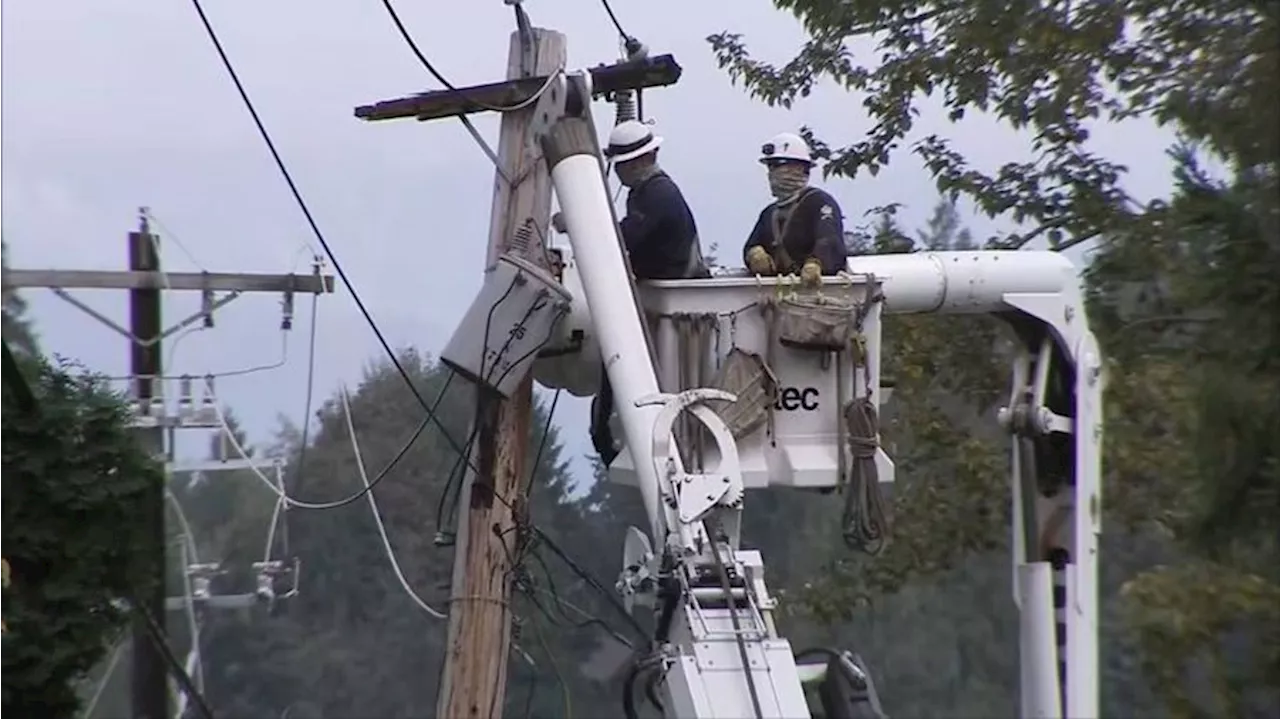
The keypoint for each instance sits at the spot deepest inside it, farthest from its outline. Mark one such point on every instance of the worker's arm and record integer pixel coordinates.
(648, 210)
(827, 233)
(759, 236)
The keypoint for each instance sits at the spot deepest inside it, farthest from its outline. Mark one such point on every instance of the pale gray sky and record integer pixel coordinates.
(112, 104)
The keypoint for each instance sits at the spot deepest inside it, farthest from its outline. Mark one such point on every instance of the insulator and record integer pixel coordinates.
(522, 241)
(625, 101)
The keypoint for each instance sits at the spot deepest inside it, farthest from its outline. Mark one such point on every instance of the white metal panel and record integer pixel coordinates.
(1038, 656)
(806, 424)
(589, 220)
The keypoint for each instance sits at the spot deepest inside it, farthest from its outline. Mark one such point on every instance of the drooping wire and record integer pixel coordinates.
(609, 596)
(440, 78)
(485, 147)
(306, 211)
(292, 502)
(168, 233)
(377, 516)
(542, 442)
(306, 407)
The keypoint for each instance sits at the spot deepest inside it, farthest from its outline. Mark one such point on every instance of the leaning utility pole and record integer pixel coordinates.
(145, 280)
(475, 674)
(474, 681)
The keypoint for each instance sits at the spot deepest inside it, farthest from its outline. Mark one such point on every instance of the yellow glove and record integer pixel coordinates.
(759, 261)
(811, 272)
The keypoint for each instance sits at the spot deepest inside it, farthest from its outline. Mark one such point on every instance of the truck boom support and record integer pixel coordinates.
(719, 651)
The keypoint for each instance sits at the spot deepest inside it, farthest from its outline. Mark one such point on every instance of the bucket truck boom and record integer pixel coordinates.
(717, 652)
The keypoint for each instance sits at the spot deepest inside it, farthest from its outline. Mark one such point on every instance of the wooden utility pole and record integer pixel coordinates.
(148, 684)
(153, 417)
(475, 674)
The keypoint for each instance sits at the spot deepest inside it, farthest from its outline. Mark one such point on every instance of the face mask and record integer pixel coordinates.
(787, 180)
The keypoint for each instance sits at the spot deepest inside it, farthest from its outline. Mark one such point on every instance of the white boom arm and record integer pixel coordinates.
(720, 655)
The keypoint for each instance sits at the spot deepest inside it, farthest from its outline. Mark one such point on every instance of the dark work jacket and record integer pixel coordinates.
(815, 229)
(659, 232)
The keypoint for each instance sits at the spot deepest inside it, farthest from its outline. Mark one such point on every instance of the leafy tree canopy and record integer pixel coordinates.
(75, 483)
(1052, 68)
(16, 327)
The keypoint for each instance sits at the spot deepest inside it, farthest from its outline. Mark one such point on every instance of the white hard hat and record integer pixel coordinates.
(630, 140)
(786, 146)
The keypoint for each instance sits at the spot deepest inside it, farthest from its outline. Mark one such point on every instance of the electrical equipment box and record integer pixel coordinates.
(571, 361)
(515, 315)
(697, 326)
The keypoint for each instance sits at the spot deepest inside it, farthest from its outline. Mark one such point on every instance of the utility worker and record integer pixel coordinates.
(802, 231)
(660, 235)
(658, 230)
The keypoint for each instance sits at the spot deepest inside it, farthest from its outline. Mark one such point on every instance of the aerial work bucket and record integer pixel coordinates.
(794, 356)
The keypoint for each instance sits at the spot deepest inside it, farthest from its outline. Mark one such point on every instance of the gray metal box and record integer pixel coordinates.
(511, 319)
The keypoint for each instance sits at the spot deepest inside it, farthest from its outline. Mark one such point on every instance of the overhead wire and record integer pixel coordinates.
(191, 553)
(377, 516)
(440, 78)
(170, 234)
(614, 19)
(319, 235)
(512, 182)
(116, 652)
(555, 667)
(306, 210)
(293, 502)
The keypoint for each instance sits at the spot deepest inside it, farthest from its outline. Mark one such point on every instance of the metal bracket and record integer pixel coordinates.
(696, 493)
(206, 312)
(638, 581)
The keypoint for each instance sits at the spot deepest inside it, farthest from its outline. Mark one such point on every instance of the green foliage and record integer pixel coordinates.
(75, 484)
(353, 643)
(1052, 68)
(950, 499)
(17, 330)
(1188, 614)
(1187, 315)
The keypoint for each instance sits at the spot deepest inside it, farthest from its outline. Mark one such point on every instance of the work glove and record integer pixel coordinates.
(811, 273)
(557, 223)
(759, 261)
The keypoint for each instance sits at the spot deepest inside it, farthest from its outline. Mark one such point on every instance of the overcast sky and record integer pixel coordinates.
(109, 105)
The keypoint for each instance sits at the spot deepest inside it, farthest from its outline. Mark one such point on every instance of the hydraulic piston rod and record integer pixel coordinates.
(570, 149)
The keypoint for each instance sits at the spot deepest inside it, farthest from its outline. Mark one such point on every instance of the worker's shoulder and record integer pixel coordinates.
(820, 203)
(661, 184)
(816, 197)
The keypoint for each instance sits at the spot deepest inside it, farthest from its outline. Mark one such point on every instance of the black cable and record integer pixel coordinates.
(614, 19)
(455, 477)
(404, 449)
(588, 620)
(306, 425)
(454, 474)
(727, 586)
(440, 78)
(586, 576)
(156, 634)
(634, 673)
(306, 211)
(542, 442)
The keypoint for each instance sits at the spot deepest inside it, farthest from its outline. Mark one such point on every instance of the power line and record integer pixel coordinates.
(290, 501)
(377, 516)
(440, 78)
(614, 19)
(302, 205)
(311, 385)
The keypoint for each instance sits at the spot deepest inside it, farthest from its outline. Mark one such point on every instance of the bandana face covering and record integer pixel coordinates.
(786, 181)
